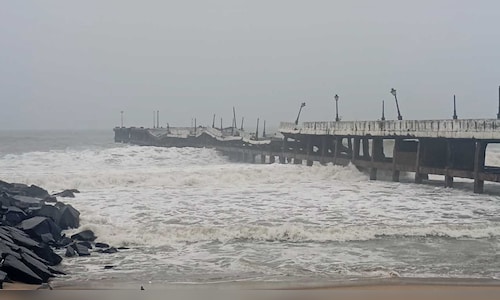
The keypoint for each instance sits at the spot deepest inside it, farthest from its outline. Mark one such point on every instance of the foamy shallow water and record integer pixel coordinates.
(189, 215)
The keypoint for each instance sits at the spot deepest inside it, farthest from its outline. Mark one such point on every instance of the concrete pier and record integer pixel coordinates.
(451, 148)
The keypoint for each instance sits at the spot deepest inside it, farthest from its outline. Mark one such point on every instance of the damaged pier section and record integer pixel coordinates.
(452, 148)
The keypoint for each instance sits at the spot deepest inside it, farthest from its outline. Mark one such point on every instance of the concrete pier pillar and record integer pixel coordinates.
(336, 149)
(309, 150)
(309, 163)
(395, 154)
(272, 159)
(479, 157)
(366, 148)
(262, 158)
(355, 148)
(323, 149)
(297, 161)
(377, 147)
(252, 158)
(418, 162)
(448, 181)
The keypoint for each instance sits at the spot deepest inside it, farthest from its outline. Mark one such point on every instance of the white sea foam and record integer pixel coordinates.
(203, 214)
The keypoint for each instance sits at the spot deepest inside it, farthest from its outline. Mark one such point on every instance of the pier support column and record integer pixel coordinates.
(355, 148)
(448, 179)
(395, 153)
(262, 158)
(336, 149)
(376, 155)
(418, 162)
(309, 150)
(479, 157)
(323, 150)
(366, 148)
(252, 157)
(272, 159)
(284, 149)
(297, 161)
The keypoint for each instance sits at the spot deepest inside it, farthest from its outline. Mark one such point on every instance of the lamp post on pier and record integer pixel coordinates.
(121, 112)
(337, 108)
(383, 111)
(300, 109)
(454, 108)
(393, 92)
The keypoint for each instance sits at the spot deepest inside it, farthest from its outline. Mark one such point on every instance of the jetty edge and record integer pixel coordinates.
(454, 148)
(31, 229)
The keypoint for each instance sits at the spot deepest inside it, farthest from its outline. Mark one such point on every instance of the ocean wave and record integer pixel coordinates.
(290, 233)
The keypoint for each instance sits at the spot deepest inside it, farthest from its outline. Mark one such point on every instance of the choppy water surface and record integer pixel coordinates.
(190, 215)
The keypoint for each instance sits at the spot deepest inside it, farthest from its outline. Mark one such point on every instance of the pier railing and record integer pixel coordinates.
(467, 128)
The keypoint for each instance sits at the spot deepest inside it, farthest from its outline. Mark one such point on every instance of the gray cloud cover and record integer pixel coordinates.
(77, 64)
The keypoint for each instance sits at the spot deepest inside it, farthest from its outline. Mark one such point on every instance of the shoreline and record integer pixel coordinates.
(354, 284)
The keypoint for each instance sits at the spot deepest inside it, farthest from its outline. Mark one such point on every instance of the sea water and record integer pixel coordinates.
(190, 215)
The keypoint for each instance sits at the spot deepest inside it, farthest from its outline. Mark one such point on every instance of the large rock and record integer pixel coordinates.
(49, 211)
(48, 254)
(25, 202)
(18, 271)
(15, 215)
(70, 252)
(86, 235)
(36, 191)
(37, 226)
(20, 237)
(70, 217)
(81, 249)
(66, 193)
(37, 267)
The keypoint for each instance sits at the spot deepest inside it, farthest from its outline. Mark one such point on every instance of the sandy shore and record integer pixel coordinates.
(388, 289)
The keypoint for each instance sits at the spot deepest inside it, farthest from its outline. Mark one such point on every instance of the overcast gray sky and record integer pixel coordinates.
(77, 64)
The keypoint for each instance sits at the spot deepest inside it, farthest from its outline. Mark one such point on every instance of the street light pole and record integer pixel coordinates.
(383, 110)
(337, 108)
(393, 92)
(300, 109)
(454, 108)
(121, 112)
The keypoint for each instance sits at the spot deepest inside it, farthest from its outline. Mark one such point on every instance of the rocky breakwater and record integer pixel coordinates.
(31, 234)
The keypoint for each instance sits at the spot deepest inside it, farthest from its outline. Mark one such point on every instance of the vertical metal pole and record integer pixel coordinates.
(121, 118)
(220, 124)
(257, 131)
(213, 122)
(498, 115)
(154, 119)
(242, 119)
(264, 131)
(383, 110)
(157, 119)
(194, 126)
(455, 108)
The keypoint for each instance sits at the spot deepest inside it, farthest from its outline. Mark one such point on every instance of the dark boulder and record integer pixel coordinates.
(18, 271)
(50, 199)
(81, 249)
(70, 252)
(5, 201)
(35, 191)
(109, 250)
(86, 244)
(5, 185)
(25, 202)
(3, 278)
(15, 215)
(70, 217)
(38, 267)
(101, 245)
(36, 226)
(5, 249)
(48, 254)
(86, 235)
(49, 211)
(21, 238)
(66, 194)
(63, 242)
(47, 238)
